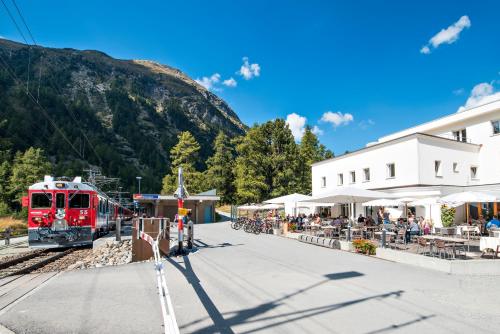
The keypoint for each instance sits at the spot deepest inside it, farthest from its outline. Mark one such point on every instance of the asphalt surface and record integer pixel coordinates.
(241, 283)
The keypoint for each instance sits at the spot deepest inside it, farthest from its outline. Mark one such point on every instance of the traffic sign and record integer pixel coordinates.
(183, 211)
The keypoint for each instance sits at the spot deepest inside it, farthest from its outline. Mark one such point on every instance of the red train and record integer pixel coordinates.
(69, 213)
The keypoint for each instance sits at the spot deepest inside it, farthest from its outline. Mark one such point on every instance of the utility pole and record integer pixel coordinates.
(180, 194)
(139, 178)
(119, 218)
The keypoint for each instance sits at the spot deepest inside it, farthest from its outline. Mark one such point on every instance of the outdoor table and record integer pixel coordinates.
(468, 229)
(387, 233)
(371, 230)
(329, 229)
(453, 241)
(496, 234)
(489, 243)
(353, 229)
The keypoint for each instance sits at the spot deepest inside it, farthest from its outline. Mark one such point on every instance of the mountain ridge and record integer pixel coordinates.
(131, 110)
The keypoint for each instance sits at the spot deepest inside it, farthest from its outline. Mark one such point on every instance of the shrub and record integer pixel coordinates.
(447, 216)
(292, 227)
(364, 246)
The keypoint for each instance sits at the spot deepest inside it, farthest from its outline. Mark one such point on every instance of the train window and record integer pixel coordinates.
(79, 201)
(41, 201)
(60, 201)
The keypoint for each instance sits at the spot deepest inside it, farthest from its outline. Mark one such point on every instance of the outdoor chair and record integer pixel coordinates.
(442, 248)
(400, 239)
(423, 243)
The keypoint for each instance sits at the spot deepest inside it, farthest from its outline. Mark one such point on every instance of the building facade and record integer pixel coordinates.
(450, 154)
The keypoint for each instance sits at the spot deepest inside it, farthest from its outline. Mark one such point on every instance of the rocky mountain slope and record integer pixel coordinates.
(129, 110)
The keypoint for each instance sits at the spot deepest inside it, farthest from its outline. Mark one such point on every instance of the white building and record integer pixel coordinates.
(446, 155)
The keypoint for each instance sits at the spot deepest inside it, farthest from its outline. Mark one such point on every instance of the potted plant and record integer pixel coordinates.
(364, 246)
(447, 218)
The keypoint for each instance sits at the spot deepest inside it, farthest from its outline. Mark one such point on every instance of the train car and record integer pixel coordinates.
(69, 213)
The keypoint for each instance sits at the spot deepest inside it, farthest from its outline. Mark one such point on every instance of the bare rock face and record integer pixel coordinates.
(128, 109)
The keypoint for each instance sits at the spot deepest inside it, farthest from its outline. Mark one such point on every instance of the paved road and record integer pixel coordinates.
(242, 283)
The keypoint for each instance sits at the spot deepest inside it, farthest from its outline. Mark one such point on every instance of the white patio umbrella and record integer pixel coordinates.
(249, 207)
(271, 206)
(382, 202)
(292, 198)
(428, 201)
(469, 197)
(346, 195)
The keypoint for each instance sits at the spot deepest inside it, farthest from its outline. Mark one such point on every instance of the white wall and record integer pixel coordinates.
(402, 153)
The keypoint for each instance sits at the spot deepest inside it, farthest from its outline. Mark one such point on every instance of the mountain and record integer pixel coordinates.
(120, 115)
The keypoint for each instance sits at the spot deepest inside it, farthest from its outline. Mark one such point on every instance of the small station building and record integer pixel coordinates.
(201, 205)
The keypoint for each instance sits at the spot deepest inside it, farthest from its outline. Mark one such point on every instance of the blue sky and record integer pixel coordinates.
(363, 59)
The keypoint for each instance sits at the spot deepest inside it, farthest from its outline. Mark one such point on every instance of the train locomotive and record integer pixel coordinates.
(69, 213)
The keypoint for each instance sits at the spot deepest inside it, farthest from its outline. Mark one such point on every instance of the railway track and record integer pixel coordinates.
(30, 262)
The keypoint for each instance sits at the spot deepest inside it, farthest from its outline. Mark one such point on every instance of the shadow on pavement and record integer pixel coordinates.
(223, 325)
(403, 324)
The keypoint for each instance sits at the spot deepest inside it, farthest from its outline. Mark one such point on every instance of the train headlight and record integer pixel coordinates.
(37, 219)
(82, 217)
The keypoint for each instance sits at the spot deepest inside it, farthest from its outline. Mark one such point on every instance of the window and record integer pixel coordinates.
(323, 181)
(460, 135)
(79, 201)
(366, 174)
(496, 127)
(455, 167)
(340, 179)
(353, 177)
(41, 201)
(473, 172)
(391, 170)
(60, 201)
(437, 168)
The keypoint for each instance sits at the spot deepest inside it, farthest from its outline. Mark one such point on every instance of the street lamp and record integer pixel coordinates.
(139, 178)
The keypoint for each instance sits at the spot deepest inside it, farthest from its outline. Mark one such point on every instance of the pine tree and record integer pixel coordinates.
(28, 168)
(220, 168)
(252, 179)
(185, 155)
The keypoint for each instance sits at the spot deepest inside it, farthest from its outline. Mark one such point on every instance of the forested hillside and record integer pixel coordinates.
(120, 115)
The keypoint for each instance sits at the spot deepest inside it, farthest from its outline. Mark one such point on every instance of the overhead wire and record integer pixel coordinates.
(54, 85)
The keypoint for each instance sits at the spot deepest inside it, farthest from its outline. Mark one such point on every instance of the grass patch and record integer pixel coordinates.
(225, 208)
(18, 226)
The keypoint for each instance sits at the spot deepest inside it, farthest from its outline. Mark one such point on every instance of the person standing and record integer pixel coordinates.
(7, 233)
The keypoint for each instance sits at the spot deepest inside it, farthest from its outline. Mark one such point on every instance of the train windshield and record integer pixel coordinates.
(79, 201)
(41, 201)
(60, 201)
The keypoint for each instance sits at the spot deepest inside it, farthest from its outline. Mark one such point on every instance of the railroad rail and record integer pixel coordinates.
(28, 263)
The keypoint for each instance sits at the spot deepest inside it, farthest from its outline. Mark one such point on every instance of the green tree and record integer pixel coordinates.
(309, 153)
(28, 168)
(220, 168)
(185, 155)
(252, 179)
(5, 171)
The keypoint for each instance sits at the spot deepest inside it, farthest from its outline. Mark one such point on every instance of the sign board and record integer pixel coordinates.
(146, 196)
(183, 211)
(25, 201)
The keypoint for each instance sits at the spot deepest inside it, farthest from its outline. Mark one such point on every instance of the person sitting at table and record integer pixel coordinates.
(337, 221)
(369, 221)
(317, 220)
(427, 227)
(494, 223)
(386, 217)
(482, 224)
(413, 229)
(361, 219)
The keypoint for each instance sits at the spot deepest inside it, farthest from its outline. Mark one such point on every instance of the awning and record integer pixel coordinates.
(249, 207)
(271, 206)
(344, 195)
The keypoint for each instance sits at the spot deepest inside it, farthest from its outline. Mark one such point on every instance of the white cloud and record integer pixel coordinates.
(249, 71)
(317, 131)
(425, 50)
(230, 82)
(337, 118)
(448, 35)
(481, 93)
(297, 124)
(209, 82)
(459, 91)
(365, 124)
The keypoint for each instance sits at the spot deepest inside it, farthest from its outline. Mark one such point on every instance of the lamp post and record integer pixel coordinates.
(139, 178)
